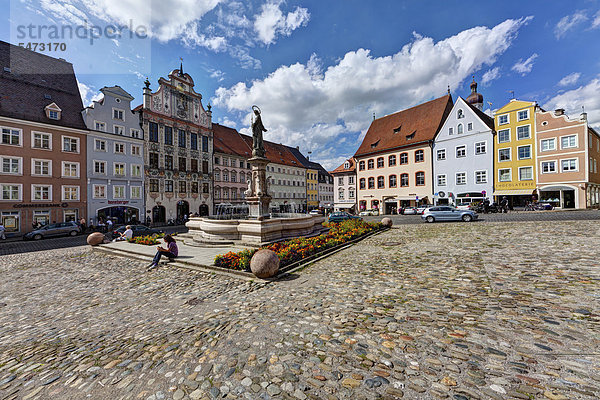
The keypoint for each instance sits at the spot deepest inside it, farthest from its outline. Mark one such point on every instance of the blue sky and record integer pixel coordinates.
(319, 70)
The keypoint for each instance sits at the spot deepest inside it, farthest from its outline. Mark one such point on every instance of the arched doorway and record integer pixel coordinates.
(159, 214)
(203, 210)
(183, 208)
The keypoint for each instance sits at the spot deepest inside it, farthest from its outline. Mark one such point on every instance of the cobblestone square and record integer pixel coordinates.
(457, 311)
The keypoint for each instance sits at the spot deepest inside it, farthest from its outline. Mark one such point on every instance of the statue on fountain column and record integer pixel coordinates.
(248, 192)
(258, 148)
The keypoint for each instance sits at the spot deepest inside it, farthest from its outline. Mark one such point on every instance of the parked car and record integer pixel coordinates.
(408, 210)
(315, 212)
(422, 208)
(369, 212)
(59, 229)
(447, 213)
(138, 230)
(340, 216)
(464, 206)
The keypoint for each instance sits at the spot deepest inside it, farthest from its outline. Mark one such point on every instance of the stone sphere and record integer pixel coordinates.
(264, 263)
(95, 239)
(387, 222)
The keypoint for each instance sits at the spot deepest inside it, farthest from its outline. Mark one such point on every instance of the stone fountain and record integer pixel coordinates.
(259, 228)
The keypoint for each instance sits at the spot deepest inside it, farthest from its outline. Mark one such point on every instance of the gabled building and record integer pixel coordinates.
(395, 163)
(568, 153)
(326, 199)
(115, 158)
(178, 149)
(463, 153)
(43, 141)
(344, 187)
(515, 148)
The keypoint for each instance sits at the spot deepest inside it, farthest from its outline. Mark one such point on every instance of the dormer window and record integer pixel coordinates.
(374, 144)
(397, 130)
(346, 165)
(53, 111)
(411, 136)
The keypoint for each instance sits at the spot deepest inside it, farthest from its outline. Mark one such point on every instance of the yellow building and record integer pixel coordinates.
(312, 189)
(515, 149)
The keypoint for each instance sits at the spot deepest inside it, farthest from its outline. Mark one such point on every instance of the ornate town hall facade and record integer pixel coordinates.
(178, 152)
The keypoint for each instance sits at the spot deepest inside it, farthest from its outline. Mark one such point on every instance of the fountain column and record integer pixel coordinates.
(257, 195)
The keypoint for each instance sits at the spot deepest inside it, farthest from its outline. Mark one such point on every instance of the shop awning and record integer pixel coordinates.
(516, 192)
(344, 205)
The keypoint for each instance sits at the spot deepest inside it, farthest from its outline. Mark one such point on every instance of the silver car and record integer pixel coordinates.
(447, 213)
(58, 229)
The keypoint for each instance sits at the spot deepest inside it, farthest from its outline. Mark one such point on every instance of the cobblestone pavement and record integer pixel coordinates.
(457, 311)
(513, 216)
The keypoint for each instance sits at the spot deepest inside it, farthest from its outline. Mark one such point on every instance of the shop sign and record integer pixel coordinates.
(41, 205)
(118, 202)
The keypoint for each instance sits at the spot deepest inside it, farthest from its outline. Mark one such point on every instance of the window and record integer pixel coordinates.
(420, 178)
(100, 167)
(70, 144)
(569, 165)
(504, 136)
(100, 145)
(526, 173)
(41, 167)
(362, 184)
(451, 131)
(153, 160)
(70, 169)
(136, 170)
(441, 180)
(524, 152)
(217, 193)
(181, 139)
(118, 114)
(503, 119)
(99, 191)
(350, 180)
(182, 164)
(371, 183)
(53, 114)
(153, 185)
(392, 180)
(522, 115)
(205, 144)
(194, 188)
(504, 154)
(480, 176)
(461, 178)
(42, 140)
(404, 180)
(567, 142)
(419, 156)
(380, 182)
(226, 177)
(548, 167)
(461, 151)
(548, 144)
(234, 177)
(194, 165)
(168, 133)
(118, 192)
(391, 160)
(119, 169)
(361, 165)
(523, 132)
(168, 186)
(70, 193)
(441, 154)
(41, 192)
(341, 180)
(459, 129)
(136, 192)
(380, 163)
(217, 177)
(351, 194)
(11, 192)
(11, 165)
(470, 126)
(204, 166)
(504, 175)
(11, 136)
(216, 160)
(182, 187)
(118, 129)
(480, 148)
(194, 141)
(153, 132)
(100, 126)
(119, 148)
(346, 165)
(460, 114)
(341, 194)
(136, 150)
(168, 162)
(370, 164)
(135, 133)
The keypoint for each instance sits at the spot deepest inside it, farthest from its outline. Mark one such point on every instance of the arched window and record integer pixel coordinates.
(404, 180)
(392, 181)
(233, 176)
(403, 158)
(419, 156)
(459, 129)
(371, 183)
(370, 164)
(225, 193)
(217, 193)
(460, 114)
(380, 182)
(225, 178)
(420, 178)
(391, 161)
(242, 177)
(217, 176)
(380, 163)
(361, 165)
(362, 183)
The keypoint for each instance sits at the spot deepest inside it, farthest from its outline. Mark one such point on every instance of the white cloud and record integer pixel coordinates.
(569, 79)
(271, 21)
(573, 100)
(313, 109)
(490, 75)
(569, 22)
(596, 21)
(88, 94)
(524, 67)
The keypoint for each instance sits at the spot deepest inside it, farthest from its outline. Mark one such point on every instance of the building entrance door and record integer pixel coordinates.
(203, 210)
(568, 198)
(158, 214)
(183, 208)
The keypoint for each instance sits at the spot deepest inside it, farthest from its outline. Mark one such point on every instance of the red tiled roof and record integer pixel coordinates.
(341, 168)
(405, 128)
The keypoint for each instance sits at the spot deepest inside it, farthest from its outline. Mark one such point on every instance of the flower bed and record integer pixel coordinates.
(148, 240)
(294, 250)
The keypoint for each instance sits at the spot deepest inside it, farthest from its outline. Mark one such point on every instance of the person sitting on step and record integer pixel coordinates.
(171, 251)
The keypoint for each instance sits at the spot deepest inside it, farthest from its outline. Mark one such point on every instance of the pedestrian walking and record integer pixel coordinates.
(2, 229)
(504, 205)
(109, 224)
(82, 224)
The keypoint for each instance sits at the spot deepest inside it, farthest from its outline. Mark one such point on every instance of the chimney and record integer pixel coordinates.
(559, 111)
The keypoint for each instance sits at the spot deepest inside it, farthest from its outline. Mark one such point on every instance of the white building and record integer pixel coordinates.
(463, 154)
(344, 186)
